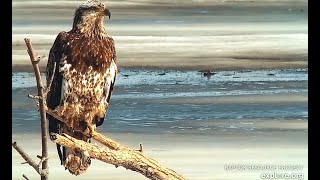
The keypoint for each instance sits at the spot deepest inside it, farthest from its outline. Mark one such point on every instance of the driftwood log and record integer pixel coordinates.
(112, 153)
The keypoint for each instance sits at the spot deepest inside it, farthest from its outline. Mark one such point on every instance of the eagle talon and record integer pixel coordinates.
(85, 158)
(92, 130)
(53, 136)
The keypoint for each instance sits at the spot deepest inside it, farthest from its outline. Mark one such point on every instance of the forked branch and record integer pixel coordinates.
(42, 168)
(25, 156)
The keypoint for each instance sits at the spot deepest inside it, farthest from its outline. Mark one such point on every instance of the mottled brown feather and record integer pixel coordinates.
(83, 80)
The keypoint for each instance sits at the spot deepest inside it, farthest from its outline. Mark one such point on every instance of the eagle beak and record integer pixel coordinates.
(107, 12)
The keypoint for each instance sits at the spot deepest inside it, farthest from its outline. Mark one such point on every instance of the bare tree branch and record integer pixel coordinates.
(42, 168)
(26, 157)
(44, 124)
(123, 156)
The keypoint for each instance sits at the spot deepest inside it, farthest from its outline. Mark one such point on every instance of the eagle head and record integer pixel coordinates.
(92, 8)
(89, 16)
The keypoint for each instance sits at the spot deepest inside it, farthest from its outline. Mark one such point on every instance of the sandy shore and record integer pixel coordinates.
(244, 99)
(225, 52)
(195, 156)
(219, 65)
(190, 35)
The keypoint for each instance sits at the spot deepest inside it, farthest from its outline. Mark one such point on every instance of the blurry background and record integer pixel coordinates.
(216, 34)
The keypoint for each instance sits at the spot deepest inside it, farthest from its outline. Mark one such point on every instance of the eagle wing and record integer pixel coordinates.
(111, 80)
(86, 58)
(53, 96)
(61, 49)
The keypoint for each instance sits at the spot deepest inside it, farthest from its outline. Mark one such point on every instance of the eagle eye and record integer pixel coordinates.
(101, 5)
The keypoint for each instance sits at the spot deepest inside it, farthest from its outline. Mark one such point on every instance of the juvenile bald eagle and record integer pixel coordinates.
(83, 80)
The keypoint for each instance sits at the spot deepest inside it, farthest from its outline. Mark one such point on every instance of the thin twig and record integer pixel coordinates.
(40, 57)
(141, 147)
(43, 172)
(25, 177)
(26, 157)
(41, 161)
